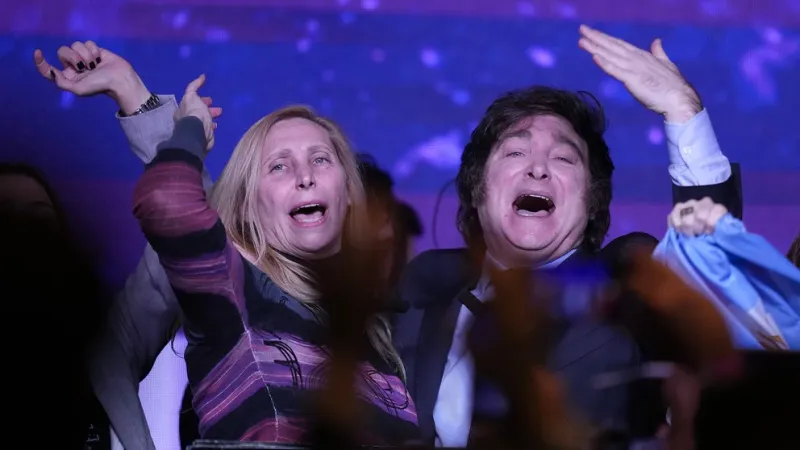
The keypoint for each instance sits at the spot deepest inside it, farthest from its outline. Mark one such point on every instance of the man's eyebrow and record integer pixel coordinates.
(562, 138)
(521, 133)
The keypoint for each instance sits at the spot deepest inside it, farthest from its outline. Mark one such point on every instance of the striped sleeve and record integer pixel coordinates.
(204, 269)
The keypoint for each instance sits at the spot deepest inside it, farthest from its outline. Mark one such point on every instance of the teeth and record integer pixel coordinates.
(542, 197)
(533, 205)
(308, 218)
(300, 208)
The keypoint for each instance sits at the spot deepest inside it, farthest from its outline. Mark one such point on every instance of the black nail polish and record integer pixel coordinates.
(92, 65)
(52, 75)
(98, 60)
(81, 65)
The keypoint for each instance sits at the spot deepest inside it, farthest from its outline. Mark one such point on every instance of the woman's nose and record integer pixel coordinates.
(305, 179)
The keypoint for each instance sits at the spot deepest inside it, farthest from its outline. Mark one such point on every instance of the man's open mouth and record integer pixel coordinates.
(309, 214)
(534, 205)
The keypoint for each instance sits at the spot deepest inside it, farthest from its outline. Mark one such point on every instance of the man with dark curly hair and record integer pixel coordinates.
(535, 189)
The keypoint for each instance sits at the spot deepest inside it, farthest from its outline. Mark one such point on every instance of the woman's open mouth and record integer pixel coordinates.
(309, 214)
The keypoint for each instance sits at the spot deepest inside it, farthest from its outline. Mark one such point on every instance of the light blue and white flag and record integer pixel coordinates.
(753, 285)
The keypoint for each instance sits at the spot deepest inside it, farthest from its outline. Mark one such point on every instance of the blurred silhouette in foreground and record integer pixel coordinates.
(49, 288)
(538, 415)
(395, 223)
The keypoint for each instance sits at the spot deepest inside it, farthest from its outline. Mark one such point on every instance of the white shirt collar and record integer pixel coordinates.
(483, 290)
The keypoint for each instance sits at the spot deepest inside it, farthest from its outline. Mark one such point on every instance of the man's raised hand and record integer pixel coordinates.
(649, 76)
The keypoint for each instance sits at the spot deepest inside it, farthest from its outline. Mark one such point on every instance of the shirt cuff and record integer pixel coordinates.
(694, 154)
(146, 130)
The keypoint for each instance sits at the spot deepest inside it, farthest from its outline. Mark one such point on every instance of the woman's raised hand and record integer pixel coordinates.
(194, 105)
(88, 70)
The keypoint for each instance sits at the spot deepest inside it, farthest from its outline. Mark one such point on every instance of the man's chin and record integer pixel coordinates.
(533, 244)
(534, 249)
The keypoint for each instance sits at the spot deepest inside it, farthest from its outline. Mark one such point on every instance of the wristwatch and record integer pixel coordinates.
(150, 104)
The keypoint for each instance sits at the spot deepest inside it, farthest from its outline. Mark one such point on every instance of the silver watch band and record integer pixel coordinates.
(150, 104)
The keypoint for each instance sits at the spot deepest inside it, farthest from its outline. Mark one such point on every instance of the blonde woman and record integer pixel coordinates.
(245, 267)
(270, 305)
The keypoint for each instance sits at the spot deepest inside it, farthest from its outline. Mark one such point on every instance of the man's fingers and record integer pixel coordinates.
(717, 212)
(609, 67)
(598, 47)
(611, 62)
(603, 40)
(195, 85)
(701, 221)
(672, 218)
(595, 49)
(207, 100)
(688, 226)
(681, 213)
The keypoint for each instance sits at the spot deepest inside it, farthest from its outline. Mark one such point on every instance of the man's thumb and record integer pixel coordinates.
(658, 50)
(195, 84)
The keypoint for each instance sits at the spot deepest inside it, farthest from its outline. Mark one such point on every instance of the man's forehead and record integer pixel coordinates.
(548, 123)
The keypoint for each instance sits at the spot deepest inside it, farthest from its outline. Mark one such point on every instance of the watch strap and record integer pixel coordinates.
(150, 104)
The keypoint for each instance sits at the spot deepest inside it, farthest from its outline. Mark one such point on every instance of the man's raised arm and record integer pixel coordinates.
(698, 167)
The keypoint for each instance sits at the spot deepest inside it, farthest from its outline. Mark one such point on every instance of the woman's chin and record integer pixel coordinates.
(313, 249)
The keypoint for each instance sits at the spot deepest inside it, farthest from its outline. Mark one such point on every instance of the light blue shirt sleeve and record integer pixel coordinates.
(695, 158)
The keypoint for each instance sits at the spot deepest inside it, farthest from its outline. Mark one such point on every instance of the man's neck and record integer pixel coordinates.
(481, 289)
(501, 264)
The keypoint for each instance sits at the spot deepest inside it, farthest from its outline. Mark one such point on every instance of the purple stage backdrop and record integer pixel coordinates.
(407, 79)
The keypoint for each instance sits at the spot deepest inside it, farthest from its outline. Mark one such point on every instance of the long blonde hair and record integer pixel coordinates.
(235, 198)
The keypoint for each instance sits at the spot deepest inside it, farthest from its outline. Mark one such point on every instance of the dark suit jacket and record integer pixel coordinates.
(435, 281)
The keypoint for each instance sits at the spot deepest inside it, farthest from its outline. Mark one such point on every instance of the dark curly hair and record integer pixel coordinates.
(581, 110)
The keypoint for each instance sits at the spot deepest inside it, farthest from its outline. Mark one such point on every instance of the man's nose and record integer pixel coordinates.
(538, 170)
